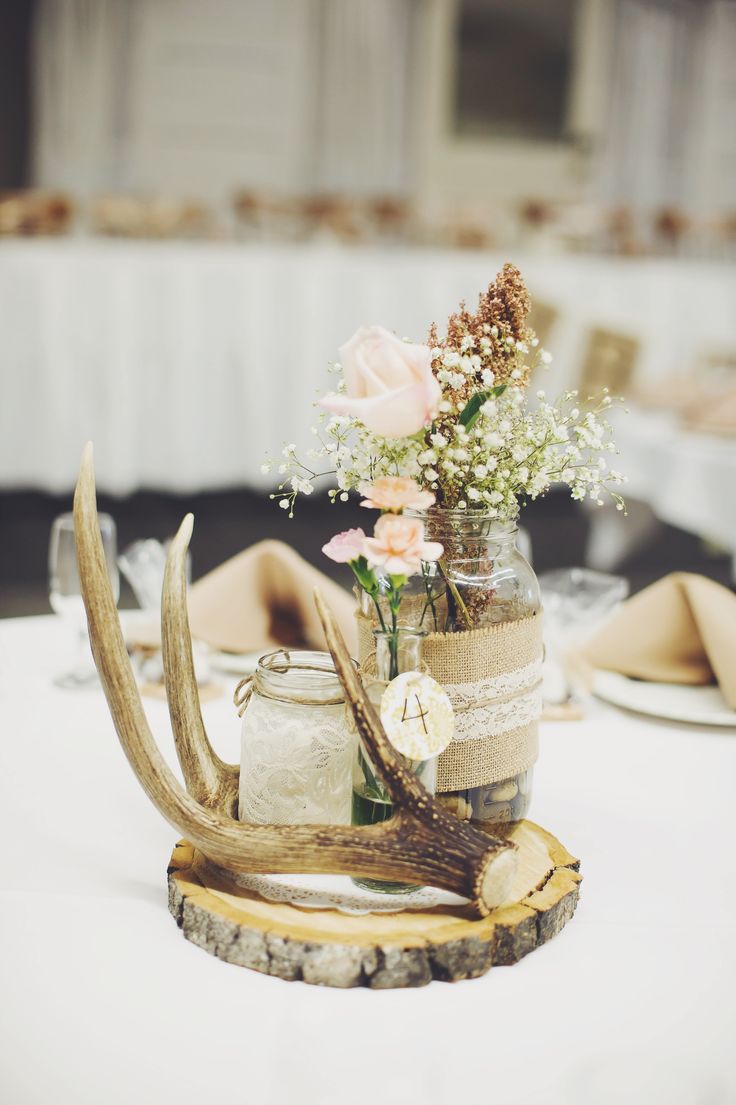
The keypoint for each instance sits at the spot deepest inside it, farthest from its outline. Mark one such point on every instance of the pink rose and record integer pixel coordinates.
(396, 493)
(390, 385)
(346, 546)
(398, 545)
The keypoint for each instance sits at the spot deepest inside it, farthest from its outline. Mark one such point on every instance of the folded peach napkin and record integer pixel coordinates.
(718, 416)
(262, 598)
(673, 393)
(682, 629)
(704, 409)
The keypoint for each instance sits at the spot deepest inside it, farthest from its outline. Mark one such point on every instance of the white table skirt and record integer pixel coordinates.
(688, 479)
(187, 362)
(103, 1000)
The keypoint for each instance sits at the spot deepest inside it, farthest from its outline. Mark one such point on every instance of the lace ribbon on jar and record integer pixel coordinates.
(497, 704)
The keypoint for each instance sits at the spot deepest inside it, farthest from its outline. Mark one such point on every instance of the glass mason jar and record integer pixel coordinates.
(396, 652)
(481, 580)
(296, 746)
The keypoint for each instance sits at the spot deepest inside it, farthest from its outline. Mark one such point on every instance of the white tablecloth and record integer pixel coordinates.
(186, 362)
(104, 1001)
(688, 479)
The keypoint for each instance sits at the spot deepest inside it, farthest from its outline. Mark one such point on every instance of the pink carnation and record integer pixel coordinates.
(396, 493)
(345, 546)
(398, 545)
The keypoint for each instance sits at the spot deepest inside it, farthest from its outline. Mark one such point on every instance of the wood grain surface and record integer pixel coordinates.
(379, 950)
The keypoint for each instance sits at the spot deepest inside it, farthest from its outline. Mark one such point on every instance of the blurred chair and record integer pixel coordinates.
(130, 216)
(671, 228)
(715, 417)
(31, 213)
(537, 228)
(609, 362)
(703, 396)
(718, 362)
(542, 319)
(270, 216)
(622, 234)
(469, 227)
(334, 216)
(389, 217)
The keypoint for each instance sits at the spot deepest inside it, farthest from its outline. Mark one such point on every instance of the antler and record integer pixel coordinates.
(207, 778)
(422, 843)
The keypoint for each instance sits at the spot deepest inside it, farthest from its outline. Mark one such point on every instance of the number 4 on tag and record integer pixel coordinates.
(415, 717)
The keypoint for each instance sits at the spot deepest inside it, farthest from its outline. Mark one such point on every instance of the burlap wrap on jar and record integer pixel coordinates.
(493, 676)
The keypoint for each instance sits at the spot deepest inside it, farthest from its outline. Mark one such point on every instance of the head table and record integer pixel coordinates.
(104, 1001)
(161, 352)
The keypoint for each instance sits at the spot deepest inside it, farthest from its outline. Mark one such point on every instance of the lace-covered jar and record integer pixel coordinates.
(480, 606)
(296, 747)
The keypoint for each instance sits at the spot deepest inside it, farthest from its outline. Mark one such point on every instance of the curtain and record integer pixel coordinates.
(670, 135)
(364, 94)
(345, 105)
(80, 61)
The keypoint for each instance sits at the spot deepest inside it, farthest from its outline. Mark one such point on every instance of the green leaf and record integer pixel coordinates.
(471, 410)
(365, 576)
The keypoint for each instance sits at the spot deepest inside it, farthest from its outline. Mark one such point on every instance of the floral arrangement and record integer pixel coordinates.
(445, 434)
(454, 416)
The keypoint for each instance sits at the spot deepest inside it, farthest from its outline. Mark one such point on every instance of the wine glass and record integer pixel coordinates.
(577, 602)
(65, 593)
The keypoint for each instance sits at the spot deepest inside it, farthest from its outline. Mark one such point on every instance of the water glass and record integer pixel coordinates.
(65, 594)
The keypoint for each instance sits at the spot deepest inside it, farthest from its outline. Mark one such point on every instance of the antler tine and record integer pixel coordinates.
(400, 782)
(208, 779)
(111, 658)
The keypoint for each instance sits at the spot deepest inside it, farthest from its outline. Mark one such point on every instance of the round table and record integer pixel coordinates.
(104, 1000)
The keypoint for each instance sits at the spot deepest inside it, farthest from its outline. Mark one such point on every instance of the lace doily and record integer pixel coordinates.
(339, 893)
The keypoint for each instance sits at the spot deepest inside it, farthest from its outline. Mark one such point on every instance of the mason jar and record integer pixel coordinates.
(296, 745)
(480, 607)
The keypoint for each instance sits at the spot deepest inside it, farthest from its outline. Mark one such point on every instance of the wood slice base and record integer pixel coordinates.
(379, 950)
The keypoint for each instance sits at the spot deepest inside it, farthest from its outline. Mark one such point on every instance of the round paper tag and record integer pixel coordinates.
(417, 715)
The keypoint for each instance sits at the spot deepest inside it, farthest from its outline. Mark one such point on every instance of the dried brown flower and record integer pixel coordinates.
(493, 333)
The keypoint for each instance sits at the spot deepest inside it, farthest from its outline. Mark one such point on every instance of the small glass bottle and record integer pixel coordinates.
(397, 651)
(296, 748)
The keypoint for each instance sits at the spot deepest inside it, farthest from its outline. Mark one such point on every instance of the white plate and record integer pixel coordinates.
(696, 705)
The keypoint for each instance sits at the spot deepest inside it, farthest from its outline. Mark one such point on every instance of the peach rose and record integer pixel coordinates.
(398, 545)
(390, 386)
(396, 493)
